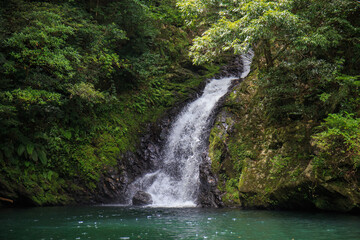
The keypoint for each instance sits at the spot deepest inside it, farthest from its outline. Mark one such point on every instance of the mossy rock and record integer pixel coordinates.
(273, 163)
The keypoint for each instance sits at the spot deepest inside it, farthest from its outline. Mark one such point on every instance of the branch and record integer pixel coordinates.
(6, 200)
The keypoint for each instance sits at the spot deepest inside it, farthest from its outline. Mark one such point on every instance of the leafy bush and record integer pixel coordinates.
(79, 81)
(338, 143)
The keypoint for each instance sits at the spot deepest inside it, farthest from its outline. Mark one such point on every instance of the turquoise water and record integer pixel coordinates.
(114, 222)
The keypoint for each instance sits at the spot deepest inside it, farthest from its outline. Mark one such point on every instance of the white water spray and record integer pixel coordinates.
(247, 60)
(176, 183)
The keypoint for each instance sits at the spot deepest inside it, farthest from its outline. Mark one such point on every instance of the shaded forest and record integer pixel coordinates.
(79, 82)
(81, 79)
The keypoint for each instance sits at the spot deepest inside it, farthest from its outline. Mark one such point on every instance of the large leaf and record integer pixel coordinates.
(20, 149)
(30, 148)
(42, 157)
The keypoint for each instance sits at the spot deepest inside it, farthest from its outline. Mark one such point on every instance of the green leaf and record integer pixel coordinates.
(27, 164)
(34, 156)
(50, 174)
(42, 157)
(20, 149)
(67, 135)
(30, 148)
(324, 97)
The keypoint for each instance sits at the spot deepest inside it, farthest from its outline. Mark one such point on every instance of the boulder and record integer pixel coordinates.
(141, 198)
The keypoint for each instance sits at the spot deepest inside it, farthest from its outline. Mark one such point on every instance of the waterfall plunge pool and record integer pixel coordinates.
(118, 222)
(124, 222)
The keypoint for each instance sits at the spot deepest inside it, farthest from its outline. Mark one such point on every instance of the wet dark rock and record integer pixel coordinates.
(141, 198)
(209, 195)
(233, 69)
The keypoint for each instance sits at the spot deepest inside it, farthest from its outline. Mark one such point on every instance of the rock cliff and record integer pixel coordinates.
(272, 165)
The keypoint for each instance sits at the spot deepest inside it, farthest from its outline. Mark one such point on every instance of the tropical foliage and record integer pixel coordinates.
(78, 81)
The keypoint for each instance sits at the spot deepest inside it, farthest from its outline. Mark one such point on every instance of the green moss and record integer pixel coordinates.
(280, 165)
(268, 162)
(231, 196)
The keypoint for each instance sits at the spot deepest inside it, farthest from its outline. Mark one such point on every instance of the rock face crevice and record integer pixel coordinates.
(210, 195)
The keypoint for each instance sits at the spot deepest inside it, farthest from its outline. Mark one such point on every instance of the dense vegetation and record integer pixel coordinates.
(300, 107)
(78, 81)
(80, 78)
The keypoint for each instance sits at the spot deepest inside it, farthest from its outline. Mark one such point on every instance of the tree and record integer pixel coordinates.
(269, 27)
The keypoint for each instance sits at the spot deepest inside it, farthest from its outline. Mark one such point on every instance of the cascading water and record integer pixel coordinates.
(246, 61)
(176, 183)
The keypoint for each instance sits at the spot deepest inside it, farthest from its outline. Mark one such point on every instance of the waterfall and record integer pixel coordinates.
(246, 61)
(176, 183)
